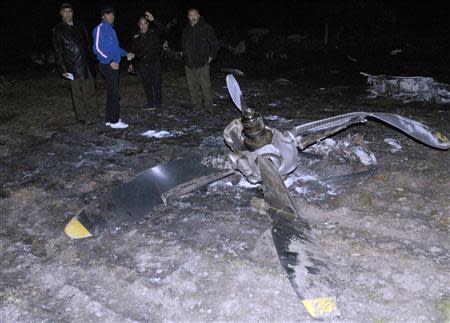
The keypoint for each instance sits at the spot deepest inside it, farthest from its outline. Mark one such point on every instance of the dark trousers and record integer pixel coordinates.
(112, 109)
(84, 98)
(151, 76)
(199, 84)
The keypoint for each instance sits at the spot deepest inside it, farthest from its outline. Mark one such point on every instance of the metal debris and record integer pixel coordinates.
(408, 88)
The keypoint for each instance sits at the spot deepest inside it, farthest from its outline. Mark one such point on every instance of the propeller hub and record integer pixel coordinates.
(256, 135)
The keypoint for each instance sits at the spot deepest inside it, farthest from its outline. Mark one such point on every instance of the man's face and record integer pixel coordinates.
(109, 17)
(143, 25)
(193, 17)
(67, 14)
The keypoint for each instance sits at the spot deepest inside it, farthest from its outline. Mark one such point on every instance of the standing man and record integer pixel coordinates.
(75, 61)
(200, 47)
(146, 45)
(108, 52)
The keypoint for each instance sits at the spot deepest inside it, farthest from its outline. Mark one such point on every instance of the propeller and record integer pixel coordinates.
(266, 151)
(303, 260)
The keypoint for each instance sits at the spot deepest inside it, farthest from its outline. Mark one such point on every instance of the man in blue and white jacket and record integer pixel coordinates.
(106, 48)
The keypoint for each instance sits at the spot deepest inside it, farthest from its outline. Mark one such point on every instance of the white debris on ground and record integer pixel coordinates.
(323, 147)
(308, 185)
(246, 184)
(352, 59)
(296, 177)
(220, 183)
(301, 190)
(395, 52)
(301, 182)
(277, 118)
(408, 88)
(352, 147)
(394, 143)
(219, 162)
(161, 134)
(365, 156)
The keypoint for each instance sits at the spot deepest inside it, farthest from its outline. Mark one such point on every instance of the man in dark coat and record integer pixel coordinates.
(146, 46)
(200, 47)
(75, 62)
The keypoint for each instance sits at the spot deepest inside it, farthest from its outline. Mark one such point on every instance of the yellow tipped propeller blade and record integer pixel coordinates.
(76, 230)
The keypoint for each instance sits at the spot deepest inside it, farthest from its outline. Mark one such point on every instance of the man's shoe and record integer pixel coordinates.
(118, 125)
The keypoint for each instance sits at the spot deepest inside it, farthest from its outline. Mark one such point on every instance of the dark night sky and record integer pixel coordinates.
(27, 25)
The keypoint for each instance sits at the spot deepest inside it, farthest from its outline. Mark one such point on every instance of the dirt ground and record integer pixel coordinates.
(209, 257)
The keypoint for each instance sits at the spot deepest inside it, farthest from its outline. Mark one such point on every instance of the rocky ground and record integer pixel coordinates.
(209, 256)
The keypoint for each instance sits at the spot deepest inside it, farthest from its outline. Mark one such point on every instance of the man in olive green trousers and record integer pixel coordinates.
(199, 84)
(200, 47)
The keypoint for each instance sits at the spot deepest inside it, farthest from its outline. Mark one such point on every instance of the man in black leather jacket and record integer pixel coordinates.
(146, 45)
(75, 62)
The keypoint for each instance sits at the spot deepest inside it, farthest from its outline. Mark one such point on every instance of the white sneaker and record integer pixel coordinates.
(118, 125)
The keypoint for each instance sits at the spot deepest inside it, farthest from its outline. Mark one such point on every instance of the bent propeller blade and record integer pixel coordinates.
(304, 262)
(235, 91)
(84, 225)
(310, 133)
(415, 129)
(134, 200)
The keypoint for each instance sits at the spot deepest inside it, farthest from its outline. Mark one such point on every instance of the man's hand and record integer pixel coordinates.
(210, 59)
(130, 69)
(114, 65)
(149, 16)
(66, 75)
(130, 56)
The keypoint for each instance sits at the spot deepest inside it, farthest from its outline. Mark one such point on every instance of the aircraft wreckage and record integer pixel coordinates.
(263, 155)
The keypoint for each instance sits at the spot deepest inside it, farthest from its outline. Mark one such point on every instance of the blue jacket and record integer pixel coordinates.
(106, 45)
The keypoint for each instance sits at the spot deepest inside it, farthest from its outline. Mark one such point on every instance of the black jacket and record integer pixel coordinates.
(72, 46)
(199, 42)
(147, 46)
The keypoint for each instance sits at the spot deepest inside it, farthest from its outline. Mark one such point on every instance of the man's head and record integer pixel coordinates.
(107, 14)
(66, 11)
(143, 24)
(193, 16)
